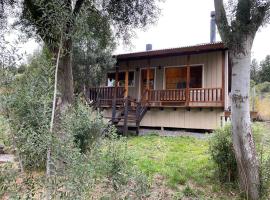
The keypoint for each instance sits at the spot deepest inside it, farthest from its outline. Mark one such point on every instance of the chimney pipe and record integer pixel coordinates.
(148, 47)
(213, 27)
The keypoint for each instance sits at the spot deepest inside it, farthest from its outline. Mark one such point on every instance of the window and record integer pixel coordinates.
(176, 77)
(121, 79)
(195, 77)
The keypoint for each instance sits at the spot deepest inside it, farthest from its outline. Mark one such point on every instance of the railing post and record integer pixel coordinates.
(138, 117)
(114, 104)
(126, 117)
(223, 80)
(188, 81)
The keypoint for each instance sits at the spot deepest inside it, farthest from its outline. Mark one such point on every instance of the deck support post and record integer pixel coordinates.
(126, 116)
(126, 81)
(115, 93)
(188, 81)
(223, 79)
(148, 76)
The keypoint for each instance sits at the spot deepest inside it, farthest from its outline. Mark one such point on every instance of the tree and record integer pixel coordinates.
(56, 22)
(254, 71)
(92, 52)
(238, 32)
(264, 74)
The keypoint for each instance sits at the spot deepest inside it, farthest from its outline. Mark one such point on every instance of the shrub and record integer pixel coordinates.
(84, 124)
(265, 178)
(4, 131)
(113, 164)
(221, 150)
(222, 153)
(189, 192)
(28, 106)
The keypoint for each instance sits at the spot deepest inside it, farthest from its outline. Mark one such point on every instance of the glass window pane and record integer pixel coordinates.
(196, 77)
(176, 77)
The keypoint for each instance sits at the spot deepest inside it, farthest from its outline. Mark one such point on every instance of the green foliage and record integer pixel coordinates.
(4, 131)
(264, 74)
(7, 179)
(178, 159)
(188, 192)
(260, 73)
(222, 153)
(28, 106)
(263, 87)
(221, 150)
(113, 161)
(265, 178)
(85, 125)
(254, 76)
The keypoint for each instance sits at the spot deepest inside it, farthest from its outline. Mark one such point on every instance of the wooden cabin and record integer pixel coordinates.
(184, 87)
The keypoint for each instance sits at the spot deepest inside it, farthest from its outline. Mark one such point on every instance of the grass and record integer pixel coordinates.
(185, 164)
(3, 130)
(179, 159)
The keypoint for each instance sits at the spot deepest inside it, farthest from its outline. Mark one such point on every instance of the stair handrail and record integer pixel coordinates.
(142, 105)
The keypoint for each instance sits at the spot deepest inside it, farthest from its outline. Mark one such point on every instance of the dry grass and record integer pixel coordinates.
(263, 107)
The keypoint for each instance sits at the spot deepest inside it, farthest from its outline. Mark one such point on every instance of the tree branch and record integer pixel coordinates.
(243, 14)
(222, 21)
(259, 15)
(77, 7)
(35, 10)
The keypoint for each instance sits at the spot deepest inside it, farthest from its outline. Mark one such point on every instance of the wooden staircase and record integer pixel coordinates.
(126, 111)
(128, 115)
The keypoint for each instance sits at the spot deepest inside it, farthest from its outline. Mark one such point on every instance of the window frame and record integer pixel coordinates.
(122, 71)
(175, 66)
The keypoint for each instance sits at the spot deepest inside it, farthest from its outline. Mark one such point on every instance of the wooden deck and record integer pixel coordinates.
(129, 111)
(192, 97)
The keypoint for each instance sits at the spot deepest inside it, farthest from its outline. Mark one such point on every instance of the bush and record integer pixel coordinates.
(221, 150)
(84, 124)
(4, 131)
(222, 153)
(28, 107)
(114, 166)
(265, 178)
(263, 87)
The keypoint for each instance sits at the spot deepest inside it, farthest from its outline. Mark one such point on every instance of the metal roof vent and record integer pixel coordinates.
(148, 47)
(213, 27)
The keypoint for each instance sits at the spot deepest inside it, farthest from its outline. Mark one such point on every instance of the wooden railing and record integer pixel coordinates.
(206, 95)
(105, 93)
(195, 95)
(157, 96)
(186, 97)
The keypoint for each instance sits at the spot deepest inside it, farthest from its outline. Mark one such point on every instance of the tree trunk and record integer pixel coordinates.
(65, 76)
(243, 142)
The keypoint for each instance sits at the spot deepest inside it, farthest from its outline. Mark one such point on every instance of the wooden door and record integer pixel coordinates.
(144, 80)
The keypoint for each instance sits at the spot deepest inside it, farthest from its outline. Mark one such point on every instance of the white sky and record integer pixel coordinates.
(182, 23)
(186, 22)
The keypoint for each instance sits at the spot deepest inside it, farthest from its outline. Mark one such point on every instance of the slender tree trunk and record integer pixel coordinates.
(65, 76)
(243, 142)
(87, 79)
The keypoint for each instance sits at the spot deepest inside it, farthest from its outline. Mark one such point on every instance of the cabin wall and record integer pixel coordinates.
(212, 69)
(195, 118)
(181, 118)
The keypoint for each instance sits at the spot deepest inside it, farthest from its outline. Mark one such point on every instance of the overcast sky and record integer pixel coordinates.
(183, 23)
(187, 23)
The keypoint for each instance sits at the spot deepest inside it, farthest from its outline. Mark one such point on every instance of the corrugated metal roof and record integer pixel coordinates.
(179, 50)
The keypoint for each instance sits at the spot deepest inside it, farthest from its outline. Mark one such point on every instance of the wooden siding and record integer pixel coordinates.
(181, 118)
(212, 69)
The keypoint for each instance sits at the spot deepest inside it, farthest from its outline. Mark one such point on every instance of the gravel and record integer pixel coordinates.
(6, 158)
(174, 133)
